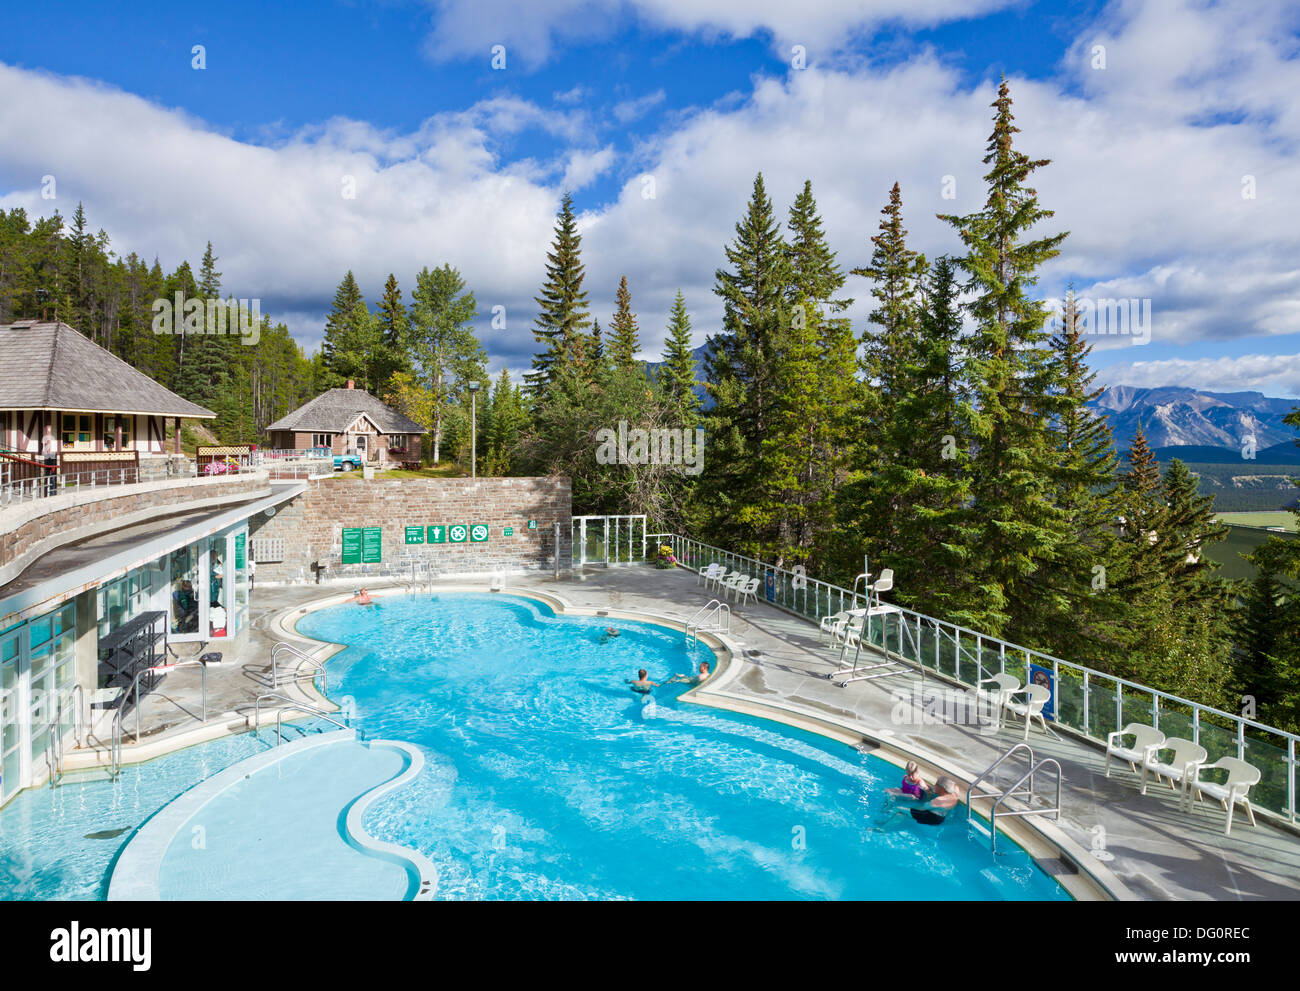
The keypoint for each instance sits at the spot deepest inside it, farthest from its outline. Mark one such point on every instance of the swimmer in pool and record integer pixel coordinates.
(912, 787)
(691, 679)
(610, 633)
(361, 597)
(643, 684)
(934, 810)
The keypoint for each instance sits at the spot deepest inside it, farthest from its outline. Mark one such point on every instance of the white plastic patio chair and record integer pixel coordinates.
(833, 624)
(730, 583)
(1180, 767)
(707, 575)
(1147, 739)
(882, 584)
(1241, 776)
(1036, 696)
(1004, 687)
(747, 589)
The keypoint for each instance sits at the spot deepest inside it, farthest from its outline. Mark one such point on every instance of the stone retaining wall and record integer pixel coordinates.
(311, 525)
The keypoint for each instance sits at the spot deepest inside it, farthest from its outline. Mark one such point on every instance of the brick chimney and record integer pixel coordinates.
(351, 384)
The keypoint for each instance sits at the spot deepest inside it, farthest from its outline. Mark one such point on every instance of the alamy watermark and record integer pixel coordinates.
(1105, 317)
(208, 316)
(659, 446)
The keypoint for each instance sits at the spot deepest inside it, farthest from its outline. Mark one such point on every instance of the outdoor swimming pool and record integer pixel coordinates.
(544, 780)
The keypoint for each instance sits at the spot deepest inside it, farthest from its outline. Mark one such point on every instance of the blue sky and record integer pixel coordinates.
(454, 161)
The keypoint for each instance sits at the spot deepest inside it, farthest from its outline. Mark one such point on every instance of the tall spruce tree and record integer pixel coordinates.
(740, 370)
(677, 373)
(1012, 377)
(563, 317)
(625, 341)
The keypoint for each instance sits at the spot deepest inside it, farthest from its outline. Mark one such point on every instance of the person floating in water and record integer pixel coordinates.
(691, 679)
(610, 633)
(643, 684)
(361, 597)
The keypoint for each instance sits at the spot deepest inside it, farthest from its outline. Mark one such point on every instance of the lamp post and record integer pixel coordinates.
(473, 429)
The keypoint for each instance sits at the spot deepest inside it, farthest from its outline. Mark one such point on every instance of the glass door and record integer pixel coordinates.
(11, 753)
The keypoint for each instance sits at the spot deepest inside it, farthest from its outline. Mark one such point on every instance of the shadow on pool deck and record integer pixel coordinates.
(1159, 851)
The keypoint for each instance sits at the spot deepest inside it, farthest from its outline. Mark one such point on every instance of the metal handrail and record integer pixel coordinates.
(301, 655)
(1054, 811)
(696, 624)
(970, 792)
(293, 705)
(54, 746)
(816, 593)
(164, 669)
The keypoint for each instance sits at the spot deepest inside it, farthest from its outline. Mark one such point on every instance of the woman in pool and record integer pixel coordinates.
(689, 679)
(643, 684)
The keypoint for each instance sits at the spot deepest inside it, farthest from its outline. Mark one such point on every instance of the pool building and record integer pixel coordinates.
(179, 647)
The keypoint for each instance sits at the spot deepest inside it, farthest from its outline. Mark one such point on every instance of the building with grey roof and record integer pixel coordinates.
(52, 374)
(346, 420)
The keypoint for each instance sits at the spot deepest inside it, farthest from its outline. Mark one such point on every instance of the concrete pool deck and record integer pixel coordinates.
(1157, 851)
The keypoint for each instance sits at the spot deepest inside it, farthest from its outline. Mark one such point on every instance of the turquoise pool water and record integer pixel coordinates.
(273, 834)
(545, 779)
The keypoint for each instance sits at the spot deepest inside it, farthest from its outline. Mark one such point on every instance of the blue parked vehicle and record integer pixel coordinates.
(351, 461)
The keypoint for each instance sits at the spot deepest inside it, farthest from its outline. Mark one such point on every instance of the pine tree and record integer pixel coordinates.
(563, 318)
(338, 323)
(677, 374)
(625, 343)
(1188, 526)
(393, 318)
(1080, 614)
(209, 277)
(1012, 380)
(740, 372)
(814, 273)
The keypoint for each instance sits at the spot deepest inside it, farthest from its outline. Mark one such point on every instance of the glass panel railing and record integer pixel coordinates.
(1268, 753)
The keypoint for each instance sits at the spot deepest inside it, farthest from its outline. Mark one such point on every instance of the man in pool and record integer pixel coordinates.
(361, 597)
(643, 684)
(689, 679)
(937, 804)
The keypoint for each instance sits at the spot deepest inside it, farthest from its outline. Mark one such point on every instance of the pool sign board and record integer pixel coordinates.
(457, 533)
(415, 534)
(507, 531)
(437, 534)
(372, 538)
(532, 524)
(478, 533)
(240, 555)
(352, 545)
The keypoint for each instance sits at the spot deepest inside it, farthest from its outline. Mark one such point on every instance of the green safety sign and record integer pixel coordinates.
(372, 539)
(240, 544)
(437, 534)
(478, 533)
(415, 534)
(532, 524)
(507, 531)
(458, 533)
(352, 545)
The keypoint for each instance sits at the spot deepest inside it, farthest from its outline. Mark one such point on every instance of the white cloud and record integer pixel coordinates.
(1148, 185)
(1271, 374)
(586, 166)
(532, 31)
(630, 110)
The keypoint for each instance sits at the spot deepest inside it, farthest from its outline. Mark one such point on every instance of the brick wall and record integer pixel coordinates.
(311, 525)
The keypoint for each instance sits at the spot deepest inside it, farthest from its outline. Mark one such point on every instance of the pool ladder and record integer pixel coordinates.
(715, 617)
(292, 706)
(1022, 788)
(54, 742)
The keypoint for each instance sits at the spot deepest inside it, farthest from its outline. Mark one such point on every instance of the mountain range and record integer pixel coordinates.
(1212, 426)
